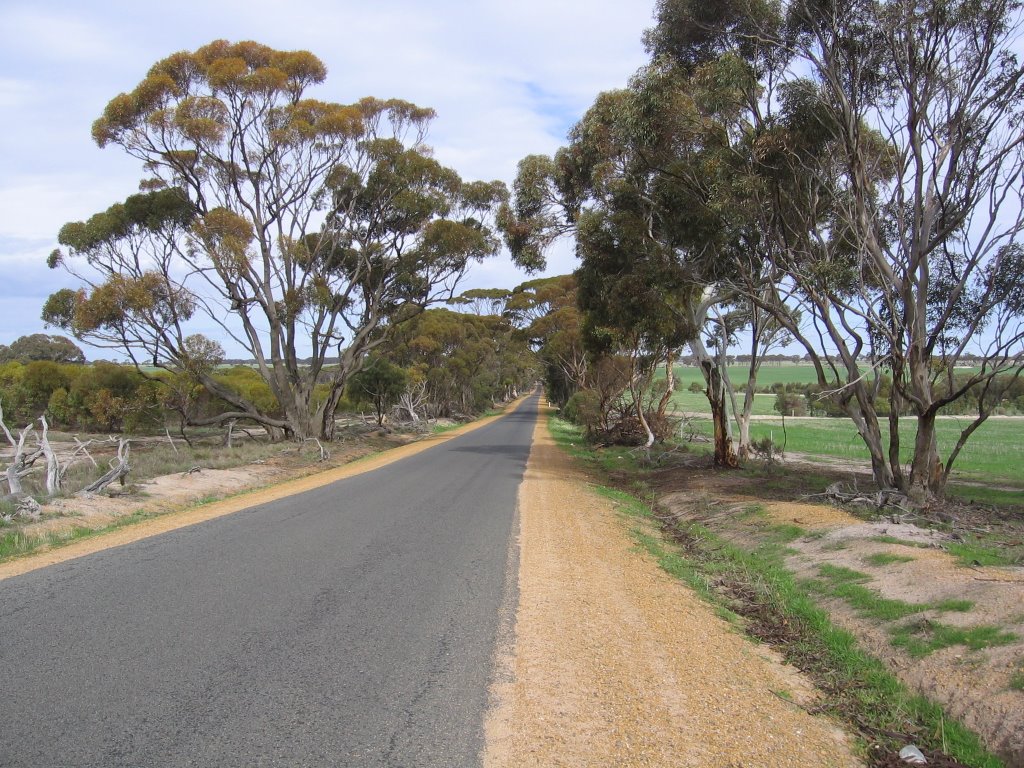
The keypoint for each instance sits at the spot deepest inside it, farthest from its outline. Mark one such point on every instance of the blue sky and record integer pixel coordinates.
(507, 80)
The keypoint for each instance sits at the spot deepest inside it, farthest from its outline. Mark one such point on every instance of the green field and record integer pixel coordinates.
(696, 402)
(769, 374)
(994, 453)
(785, 373)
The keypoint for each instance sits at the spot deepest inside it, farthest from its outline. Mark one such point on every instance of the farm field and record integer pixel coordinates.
(783, 373)
(994, 453)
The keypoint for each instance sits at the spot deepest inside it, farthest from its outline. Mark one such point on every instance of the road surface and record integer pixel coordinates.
(351, 625)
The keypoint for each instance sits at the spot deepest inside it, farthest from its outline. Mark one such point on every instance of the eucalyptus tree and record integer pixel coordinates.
(678, 137)
(380, 383)
(482, 301)
(936, 228)
(465, 361)
(635, 299)
(39, 346)
(547, 312)
(300, 227)
(885, 159)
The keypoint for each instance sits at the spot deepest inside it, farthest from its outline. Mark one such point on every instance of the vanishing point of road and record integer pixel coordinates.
(350, 625)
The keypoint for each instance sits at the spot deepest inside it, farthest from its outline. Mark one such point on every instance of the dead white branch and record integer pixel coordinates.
(84, 448)
(22, 463)
(324, 453)
(117, 471)
(54, 475)
(171, 440)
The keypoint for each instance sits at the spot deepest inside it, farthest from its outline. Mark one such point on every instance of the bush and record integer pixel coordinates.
(791, 404)
(584, 410)
(696, 386)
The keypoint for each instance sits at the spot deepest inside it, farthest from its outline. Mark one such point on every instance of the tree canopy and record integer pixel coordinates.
(847, 176)
(296, 225)
(39, 346)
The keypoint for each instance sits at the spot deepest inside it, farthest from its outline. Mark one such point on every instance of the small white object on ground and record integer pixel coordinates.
(911, 754)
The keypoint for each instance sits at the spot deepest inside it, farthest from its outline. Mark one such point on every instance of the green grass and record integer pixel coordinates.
(685, 401)
(858, 687)
(15, 544)
(884, 558)
(784, 533)
(922, 637)
(769, 374)
(974, 551)
(866, 602)
(901, 542)
(1017, 680)
(751, 512)
(438, 429)
(984, 495)
(847, 584)
(994, 453)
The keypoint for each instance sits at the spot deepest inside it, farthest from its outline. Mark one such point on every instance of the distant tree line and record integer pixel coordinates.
(444, 364)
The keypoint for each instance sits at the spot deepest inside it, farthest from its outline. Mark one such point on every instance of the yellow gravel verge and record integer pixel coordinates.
(174, 520)
(615, 663)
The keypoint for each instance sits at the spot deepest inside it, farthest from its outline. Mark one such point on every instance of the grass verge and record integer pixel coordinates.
(924, 636)
(754, 588)
(975, 551)
(16, 543)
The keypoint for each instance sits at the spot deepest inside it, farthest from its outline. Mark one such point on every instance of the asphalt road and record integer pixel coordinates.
(352, 625)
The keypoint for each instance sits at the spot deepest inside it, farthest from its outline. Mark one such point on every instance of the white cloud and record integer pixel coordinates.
(43, 33)
(36, 207)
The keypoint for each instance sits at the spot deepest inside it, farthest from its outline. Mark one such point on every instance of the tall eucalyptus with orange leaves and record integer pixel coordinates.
(305, 229)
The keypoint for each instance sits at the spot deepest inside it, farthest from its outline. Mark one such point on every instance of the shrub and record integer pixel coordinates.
(791, 404)
(584, 410)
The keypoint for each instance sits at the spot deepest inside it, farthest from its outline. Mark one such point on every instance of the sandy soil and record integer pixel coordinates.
(616, 663)
(972, 685)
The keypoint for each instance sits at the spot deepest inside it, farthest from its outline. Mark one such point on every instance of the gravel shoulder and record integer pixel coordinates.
(615, 663)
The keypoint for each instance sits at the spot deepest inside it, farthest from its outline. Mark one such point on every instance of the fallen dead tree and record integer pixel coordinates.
(24, 459)
(877, 501)
(119, 468)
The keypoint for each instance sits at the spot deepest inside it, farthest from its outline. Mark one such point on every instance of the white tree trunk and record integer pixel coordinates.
(117, 471)
(53, 473)
(20, 463)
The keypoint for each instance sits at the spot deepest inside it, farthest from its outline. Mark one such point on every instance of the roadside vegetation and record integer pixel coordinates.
(77, 429)
(742, 568)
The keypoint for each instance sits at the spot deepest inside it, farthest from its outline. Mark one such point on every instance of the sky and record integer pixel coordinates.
(506, 79)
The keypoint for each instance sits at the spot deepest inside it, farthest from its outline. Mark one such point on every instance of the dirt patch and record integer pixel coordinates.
(617, 663)
(896, 561)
